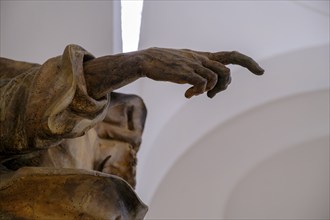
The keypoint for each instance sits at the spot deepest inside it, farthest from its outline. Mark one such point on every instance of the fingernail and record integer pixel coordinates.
(260, 71)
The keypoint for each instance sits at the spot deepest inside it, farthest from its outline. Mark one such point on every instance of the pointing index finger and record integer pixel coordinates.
(234, 57)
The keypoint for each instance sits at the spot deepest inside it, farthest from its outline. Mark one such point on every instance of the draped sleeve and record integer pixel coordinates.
(40, 105)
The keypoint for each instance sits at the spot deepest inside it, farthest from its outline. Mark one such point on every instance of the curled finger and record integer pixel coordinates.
(199, 87)
(224, 78)
(219, 87)
(209, 75)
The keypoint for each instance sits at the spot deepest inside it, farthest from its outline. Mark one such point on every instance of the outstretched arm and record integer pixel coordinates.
(205, 71)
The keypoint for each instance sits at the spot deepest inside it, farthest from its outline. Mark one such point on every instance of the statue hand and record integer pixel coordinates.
(205, 71)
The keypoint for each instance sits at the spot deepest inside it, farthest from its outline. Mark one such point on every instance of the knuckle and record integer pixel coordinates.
(202, 83)
(235, 53)
(226, 71)
(213, 77)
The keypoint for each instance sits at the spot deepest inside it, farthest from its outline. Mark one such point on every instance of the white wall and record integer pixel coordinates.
(290, 39)
(37, 30)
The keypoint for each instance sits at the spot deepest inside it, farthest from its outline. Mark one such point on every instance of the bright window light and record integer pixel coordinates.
(131, 12)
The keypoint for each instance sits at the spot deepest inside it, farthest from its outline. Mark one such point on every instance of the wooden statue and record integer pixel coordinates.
(68, 142)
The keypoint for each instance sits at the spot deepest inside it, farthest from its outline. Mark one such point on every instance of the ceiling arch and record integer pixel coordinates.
(202, 181)
(292, 184)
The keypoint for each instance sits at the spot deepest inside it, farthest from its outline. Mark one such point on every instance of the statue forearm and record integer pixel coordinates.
(108, 73)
